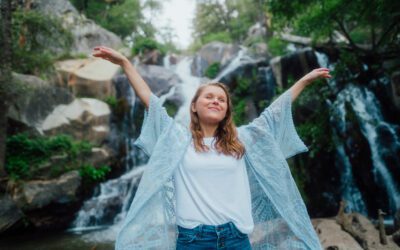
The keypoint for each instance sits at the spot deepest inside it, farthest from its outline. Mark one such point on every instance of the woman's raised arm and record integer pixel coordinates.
(307, 79)
(142, 90)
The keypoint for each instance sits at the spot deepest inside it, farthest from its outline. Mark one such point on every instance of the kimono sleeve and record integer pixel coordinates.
(155, 121)
(278, 120)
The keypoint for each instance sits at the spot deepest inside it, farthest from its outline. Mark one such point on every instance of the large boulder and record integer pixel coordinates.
(289, 68)
(33, 195)
(214, 52)
(49, 204)
(86, 33)
(10, 213)
(159, 79)
(87, 77)
(38, 100)
(84, 119)
(395, 87)
(332, 237)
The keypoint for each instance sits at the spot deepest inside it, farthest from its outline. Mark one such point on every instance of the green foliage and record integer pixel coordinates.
(93, 174)
(316, 130)
(25, 153)
(35, 37)
(226, 21)
(360, 22)
(300, 176)
(144, 44)
(111, 101)
(239, 110)
(212, 70)
(239, 95)
(276, 46)
(122, 17)
(171, 108)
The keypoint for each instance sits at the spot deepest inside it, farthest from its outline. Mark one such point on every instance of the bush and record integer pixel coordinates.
(143, 45)
(93, 174)
(25, 154)
(212, 70)
(35, 39)
(276, 46)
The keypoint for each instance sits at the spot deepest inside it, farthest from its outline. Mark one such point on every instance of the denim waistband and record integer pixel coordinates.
(220, 229)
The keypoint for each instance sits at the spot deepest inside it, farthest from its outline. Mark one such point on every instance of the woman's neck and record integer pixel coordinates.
(208, 129)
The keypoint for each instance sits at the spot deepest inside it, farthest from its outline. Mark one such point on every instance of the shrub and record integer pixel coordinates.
(26, 153)
(93, 174)
(212, 70)
(146, 44)
(35, 39)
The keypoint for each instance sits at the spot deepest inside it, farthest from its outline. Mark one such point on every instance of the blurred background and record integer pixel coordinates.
(68, 167)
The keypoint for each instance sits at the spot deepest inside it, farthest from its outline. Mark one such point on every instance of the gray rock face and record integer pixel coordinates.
(158, 78)
(37, 194)
(55, 7)
(395, 80)
(87, 77)
(211, 53)
(256, 31)
(38, 101)
(84, 119)
(294, 66)
(86, 33)
(9, 213)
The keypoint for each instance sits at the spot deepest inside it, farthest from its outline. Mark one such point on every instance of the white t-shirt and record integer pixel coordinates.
(212, 189)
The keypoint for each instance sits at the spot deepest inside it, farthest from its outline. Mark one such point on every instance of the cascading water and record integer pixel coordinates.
(367, 110)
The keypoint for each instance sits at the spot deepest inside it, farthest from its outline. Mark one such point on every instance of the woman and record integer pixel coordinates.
(212, 185)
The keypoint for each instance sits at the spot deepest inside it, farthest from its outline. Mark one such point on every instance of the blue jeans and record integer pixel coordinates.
(207, 237)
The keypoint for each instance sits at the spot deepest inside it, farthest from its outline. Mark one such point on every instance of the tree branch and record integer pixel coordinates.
(390, 27)
(346, 34)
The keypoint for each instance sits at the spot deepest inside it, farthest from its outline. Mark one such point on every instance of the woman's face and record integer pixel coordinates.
(211, 106)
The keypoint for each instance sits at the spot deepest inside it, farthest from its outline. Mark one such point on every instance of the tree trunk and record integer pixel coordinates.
(3, 136)
(5, 77)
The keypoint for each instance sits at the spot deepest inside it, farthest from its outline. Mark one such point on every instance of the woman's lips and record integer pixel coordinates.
(213, 108)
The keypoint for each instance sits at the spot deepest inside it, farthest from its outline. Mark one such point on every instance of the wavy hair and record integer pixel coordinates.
(227, 141)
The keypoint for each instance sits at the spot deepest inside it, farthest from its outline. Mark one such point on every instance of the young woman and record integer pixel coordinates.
(212, 185)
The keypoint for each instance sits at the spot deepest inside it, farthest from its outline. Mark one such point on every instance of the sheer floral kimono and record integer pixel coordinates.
(280, 216)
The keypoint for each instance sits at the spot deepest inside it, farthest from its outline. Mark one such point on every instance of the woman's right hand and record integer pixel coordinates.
(109, 55)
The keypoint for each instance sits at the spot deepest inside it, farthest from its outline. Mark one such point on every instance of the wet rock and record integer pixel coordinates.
(100, 156)
(211, 53)
(10, 214)
(159, 79)
(395, 87)
(153, 57)
(289, 68)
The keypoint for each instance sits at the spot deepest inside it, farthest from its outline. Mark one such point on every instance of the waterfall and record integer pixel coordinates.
(368, 113)
(240, 59)
(188, 89)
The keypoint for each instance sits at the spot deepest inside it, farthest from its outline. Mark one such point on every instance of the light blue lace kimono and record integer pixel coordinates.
(280, 216)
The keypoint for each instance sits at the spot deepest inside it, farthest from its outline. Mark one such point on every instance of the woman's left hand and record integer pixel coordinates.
(316, 74)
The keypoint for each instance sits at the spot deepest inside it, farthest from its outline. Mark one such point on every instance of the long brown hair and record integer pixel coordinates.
(227, 141)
